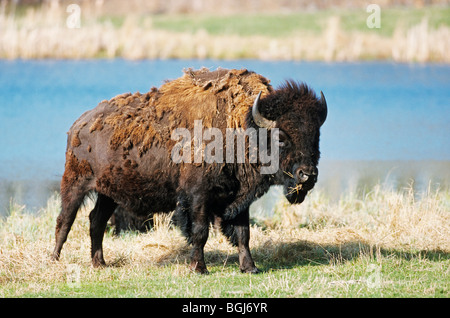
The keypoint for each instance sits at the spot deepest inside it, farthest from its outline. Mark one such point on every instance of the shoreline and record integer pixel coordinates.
(336, 178)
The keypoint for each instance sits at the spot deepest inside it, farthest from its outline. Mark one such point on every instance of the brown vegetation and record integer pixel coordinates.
(42, 33)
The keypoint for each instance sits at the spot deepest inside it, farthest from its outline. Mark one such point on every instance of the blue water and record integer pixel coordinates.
(376, 111)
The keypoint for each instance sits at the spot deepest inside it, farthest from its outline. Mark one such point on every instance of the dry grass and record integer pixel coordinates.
(383, 218)
(42, 33)
(316, 232)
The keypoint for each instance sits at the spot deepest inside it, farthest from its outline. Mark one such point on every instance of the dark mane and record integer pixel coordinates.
(294, 89)
(289, 95)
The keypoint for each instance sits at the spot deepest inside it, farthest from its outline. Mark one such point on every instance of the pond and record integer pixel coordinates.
(386, 122)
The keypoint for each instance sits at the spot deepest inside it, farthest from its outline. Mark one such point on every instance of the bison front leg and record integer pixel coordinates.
(200, 232)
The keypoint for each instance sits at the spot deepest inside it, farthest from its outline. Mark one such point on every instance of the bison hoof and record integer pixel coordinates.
(98, 263)
(98, 260)
(200, 271)
(253, 270)
(196, 268)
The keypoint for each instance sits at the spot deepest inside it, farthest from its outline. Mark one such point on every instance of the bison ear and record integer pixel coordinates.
(259, 119)
(323, 108)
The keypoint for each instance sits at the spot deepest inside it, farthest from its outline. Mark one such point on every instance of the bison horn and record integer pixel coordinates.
(323, 105)
(258, 118)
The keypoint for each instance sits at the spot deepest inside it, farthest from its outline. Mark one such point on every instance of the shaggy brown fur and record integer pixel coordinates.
(220, 99)
(75, 169)
(122, 150)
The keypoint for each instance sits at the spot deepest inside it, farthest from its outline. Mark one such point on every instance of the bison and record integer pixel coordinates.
(123, 150)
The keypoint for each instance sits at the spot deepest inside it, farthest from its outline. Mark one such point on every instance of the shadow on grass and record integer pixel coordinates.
(305, 253)
(281, 255)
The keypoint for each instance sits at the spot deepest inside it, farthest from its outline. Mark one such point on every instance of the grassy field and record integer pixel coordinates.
(384, 244)
(290, 24)
(405, 35)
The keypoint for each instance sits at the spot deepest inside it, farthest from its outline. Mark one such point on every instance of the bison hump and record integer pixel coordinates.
(219, 98)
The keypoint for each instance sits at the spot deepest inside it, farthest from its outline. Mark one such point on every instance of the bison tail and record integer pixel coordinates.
(232, 229)
(182, 217)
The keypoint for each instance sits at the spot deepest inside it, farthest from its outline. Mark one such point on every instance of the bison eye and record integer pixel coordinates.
(283, 139)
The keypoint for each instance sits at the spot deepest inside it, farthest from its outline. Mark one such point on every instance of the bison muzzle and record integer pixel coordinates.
(122, 148)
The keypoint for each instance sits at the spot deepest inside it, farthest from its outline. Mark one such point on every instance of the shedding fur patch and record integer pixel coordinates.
(75, 141)
(97, 125)
(219, 98)
(75, 169)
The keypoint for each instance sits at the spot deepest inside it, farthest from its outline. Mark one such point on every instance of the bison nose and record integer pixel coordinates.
(304, 174)
(301, 176)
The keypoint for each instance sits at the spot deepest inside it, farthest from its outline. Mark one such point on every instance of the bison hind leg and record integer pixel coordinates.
(238, 233)
(71, 200)
(99, 216)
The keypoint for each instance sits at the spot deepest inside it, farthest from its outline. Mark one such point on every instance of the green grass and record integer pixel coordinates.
(385, 244)
(242, 25)
(281, 25)
(390, 275)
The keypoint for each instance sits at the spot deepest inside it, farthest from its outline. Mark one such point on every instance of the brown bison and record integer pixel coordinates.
(124, 151)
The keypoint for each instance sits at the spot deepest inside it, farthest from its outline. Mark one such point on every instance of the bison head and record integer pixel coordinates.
(298, 114)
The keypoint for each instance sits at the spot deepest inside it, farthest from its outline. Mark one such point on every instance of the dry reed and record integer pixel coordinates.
(384, 217)
(42, 33)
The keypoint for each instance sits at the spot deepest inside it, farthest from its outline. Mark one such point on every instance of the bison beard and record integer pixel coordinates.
(121, 150)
